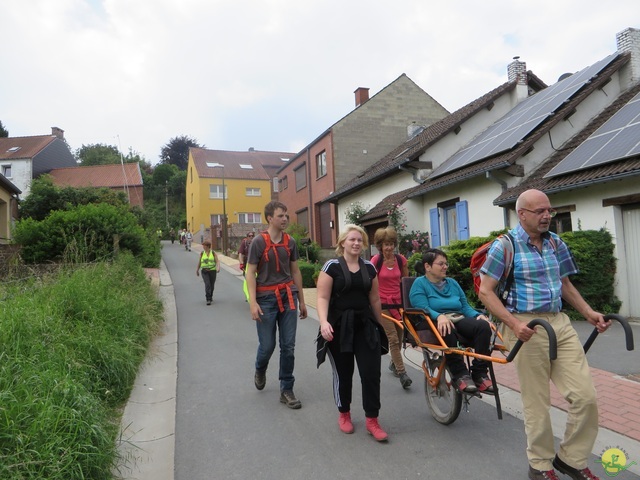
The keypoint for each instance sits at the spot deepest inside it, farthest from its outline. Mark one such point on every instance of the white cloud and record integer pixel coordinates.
(268, 74)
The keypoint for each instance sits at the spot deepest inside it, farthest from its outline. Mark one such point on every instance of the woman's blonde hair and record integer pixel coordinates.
(384, 235)
(343, 236)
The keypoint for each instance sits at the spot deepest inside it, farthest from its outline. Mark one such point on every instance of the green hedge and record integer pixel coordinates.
(592, 250)
(308, 272)
(85, 234)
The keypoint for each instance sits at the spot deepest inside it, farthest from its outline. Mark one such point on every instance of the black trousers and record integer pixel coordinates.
(343, 365)
(478, 333)
(209, 278)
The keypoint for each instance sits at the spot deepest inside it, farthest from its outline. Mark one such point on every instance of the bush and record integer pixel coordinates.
(84, 234)
(593, 252)
(308, 270)
(413, 242)
(411, 262)
(309, 251)
(71, 348)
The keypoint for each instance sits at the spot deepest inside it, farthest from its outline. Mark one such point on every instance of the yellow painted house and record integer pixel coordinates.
(8, 207)
(248, 187)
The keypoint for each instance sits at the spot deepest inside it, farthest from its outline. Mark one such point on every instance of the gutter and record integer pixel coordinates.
(413, 173)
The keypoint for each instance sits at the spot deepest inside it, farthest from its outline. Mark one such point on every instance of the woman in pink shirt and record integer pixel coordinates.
(391, 268)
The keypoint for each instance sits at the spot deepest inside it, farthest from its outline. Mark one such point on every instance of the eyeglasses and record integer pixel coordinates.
(441, 264)
(552, 211)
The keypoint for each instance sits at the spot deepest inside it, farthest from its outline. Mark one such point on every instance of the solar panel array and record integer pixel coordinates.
(617, 138)
(521, 120)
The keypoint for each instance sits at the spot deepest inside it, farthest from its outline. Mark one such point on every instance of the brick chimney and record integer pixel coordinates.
(628, 40)
(517, 71)
(57, 132)
(362, 95)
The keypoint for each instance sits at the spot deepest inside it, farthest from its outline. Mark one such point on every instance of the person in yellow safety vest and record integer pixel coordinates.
(209, 266)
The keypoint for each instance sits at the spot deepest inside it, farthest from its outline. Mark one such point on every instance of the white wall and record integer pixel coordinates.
(20, 175)
(589, 214)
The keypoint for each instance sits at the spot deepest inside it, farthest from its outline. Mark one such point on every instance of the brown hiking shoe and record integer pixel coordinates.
(289, 399)
(260, 379)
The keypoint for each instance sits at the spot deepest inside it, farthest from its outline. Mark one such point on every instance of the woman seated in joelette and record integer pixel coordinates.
(445, 302)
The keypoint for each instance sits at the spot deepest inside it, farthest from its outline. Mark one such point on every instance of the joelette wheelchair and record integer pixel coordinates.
(443, 399)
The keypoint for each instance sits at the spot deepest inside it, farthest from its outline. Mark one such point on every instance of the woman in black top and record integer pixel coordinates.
(349, 313)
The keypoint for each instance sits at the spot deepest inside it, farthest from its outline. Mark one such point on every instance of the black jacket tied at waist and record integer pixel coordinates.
(350, 321)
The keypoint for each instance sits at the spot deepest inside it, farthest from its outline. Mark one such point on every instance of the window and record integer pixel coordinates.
(301, 177)
(6, 171)
(449, 222)
(302, 218)
(249, 218)
(216, 219)
(561, 223)
(321, 164)
(215, 191)
(252, 192)
(450, 218)
(284, 183)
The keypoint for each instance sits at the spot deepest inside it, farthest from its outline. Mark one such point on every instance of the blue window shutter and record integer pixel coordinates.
(462, 219)
(434, 219)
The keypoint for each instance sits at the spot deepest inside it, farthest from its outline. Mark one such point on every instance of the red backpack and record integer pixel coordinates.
(480, 255)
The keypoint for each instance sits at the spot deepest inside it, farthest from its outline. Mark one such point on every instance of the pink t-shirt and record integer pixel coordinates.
(389, 281)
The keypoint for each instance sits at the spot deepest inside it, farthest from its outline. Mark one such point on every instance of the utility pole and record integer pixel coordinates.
(225, 232)
(166, 201)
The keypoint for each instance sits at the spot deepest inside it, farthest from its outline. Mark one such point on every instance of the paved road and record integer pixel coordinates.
(226, 429)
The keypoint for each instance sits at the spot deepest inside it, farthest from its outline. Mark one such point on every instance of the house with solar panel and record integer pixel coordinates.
(24, 158)
(576, 140)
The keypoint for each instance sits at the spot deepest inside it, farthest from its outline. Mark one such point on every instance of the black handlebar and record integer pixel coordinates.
(553, 344)
(628, 333)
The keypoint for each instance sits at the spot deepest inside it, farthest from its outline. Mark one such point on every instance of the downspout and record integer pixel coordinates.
(503, 184)
(312, 226)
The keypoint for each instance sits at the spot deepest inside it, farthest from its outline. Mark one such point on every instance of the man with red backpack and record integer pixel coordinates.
(274, 284)
(542, 264)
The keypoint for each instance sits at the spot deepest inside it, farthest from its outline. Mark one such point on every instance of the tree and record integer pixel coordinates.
(98, 154)
(3, 131)
(176, 152)
(163, 173)
(46, 198)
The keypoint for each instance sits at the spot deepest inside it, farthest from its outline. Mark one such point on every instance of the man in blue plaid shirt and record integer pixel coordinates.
(542, 264)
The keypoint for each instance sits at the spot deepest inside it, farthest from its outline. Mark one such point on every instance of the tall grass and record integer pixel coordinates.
(70, 348)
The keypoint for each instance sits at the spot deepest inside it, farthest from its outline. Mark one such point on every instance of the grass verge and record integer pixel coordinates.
(70, 349)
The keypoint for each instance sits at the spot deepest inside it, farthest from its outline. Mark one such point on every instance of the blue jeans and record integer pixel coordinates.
(286, 323)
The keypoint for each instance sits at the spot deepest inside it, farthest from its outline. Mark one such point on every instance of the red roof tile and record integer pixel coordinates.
(259, 161)
(14, 148)
(110, 176)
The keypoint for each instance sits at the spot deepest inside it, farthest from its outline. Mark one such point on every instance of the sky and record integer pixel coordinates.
(269, 74)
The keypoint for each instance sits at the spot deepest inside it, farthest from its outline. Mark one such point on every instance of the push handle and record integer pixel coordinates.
(553, 344)
(628, 333)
